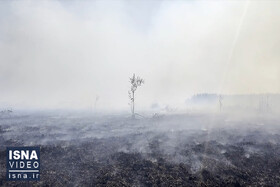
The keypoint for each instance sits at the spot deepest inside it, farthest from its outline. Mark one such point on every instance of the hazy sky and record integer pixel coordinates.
(63, 54)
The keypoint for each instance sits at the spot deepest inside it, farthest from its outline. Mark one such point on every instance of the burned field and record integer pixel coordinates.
(177, 150)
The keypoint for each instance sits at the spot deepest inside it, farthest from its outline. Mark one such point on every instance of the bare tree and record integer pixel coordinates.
(135, 83)
(221, 102)
(95, 103)
(264, 103)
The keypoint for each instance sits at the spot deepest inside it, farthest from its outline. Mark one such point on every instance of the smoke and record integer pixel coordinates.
(61, 54)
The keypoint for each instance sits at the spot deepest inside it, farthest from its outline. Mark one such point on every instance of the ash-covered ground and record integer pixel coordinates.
(170, 150)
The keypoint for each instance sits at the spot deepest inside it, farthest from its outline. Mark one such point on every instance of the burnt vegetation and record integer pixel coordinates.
(122, 152)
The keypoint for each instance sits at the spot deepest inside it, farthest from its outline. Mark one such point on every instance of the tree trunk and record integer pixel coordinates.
(133, 115)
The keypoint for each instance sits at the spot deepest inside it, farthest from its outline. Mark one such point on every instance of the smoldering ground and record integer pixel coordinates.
(179, 149)
(66, 54)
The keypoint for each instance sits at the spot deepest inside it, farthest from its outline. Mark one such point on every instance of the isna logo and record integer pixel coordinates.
(23, 163)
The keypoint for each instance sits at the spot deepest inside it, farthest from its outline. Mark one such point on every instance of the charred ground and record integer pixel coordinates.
(178, 150)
